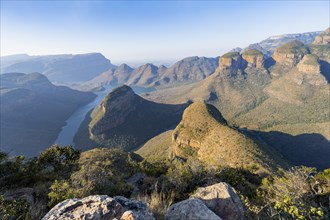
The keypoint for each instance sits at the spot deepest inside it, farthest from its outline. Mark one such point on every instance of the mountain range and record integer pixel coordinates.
(284, 95)
(65, 68)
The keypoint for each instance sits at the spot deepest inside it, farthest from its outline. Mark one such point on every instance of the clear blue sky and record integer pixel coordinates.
(147, 31)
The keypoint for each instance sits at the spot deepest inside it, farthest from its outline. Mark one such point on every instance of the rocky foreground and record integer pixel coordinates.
(218, 201)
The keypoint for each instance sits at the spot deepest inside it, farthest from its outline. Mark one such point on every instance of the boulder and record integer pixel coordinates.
(99, 207)
(190, 209)
(134, 209)
(222, 199)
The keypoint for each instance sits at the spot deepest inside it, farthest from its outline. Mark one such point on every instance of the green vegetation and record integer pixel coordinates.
(295, 47)
(60, 173)
(252, 53)
(157, 148)
(233, 55)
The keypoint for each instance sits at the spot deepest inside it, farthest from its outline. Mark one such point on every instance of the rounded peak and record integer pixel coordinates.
(200, 111)
(120, 91)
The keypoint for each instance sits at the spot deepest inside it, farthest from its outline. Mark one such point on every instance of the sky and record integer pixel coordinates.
(136, 32)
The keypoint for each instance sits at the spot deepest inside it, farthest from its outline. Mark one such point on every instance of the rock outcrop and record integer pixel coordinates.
(254, 58)
(231, 62)
(290, 53)
(100, 207)
(190, 209)
(323, 38)
(310, 71)
(309, 64)
(222, 199)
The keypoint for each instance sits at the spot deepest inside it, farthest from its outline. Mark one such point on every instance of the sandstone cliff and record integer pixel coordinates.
(323, 38)
(254, 58)
(290, 53)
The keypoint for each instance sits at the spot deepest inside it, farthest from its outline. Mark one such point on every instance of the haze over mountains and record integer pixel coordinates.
(247, 117)
(65, 68)
(275, 88)
(33, 111)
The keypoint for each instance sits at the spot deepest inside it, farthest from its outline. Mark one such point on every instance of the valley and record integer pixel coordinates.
(247, 131)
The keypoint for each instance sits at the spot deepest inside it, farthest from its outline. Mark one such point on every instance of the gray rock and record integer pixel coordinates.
(190, 209)
(222, 199)
(99, 207)
(134, 209)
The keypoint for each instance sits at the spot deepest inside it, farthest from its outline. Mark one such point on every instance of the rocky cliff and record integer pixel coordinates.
(254, 58)
(309, 64)
(323, 38)
(290, 53)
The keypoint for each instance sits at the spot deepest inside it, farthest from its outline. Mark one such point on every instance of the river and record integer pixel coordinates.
(69, 130)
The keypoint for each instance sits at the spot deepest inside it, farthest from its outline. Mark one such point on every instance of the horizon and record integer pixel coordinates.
(139, 32)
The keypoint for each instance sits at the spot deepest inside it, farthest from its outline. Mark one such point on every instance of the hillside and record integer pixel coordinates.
(65, 68)
(125, 120)
(189, 69)
(33, 111)
(205, 134)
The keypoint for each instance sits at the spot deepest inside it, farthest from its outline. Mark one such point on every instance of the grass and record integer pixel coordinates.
(294, 46)
(231, 55)
(157, 148)
(252, 53)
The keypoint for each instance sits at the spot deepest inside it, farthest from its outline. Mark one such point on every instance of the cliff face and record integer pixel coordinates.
(230, 61)
(254, 58)
(290, 53)
(310, 69)
(323, 38)
(309, 64)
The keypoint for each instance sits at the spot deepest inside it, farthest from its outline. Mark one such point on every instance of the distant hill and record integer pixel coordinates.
(125, 120)
(187, 70)
(190, 69)
(65, 68)
(33, 111)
